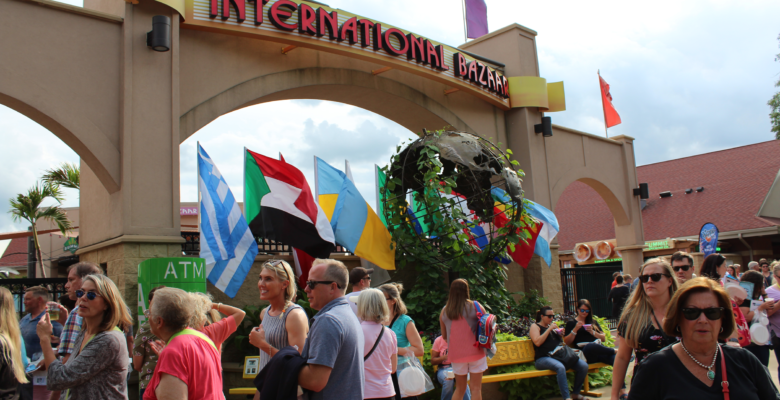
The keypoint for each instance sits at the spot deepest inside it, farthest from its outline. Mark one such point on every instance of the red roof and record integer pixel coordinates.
(735, 182)
(15, 254)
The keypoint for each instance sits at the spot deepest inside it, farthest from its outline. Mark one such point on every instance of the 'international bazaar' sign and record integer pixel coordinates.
(327, 29)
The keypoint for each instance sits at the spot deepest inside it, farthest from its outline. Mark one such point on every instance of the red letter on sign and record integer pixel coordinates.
(491, 80)
(239, 5)
(365, 32)
(258, 10)
(506, 86)
(278, 16)
(442, 65)
(499, 84)
(348, 30)
(432, 55)
(330, 19)
(306, 17)
(472, 73)
(482, 72)
(402, 41)
(378, 38)
(416, 49)
(461, 69)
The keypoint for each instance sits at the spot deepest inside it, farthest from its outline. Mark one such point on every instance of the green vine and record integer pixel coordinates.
(445, 248)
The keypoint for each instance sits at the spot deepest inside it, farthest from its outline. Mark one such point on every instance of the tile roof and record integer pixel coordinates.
(735, 182)
(15, 254)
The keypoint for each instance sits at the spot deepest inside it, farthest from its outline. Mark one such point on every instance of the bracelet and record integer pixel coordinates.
(218, 306)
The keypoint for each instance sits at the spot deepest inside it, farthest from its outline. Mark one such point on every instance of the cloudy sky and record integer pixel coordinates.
(686, 77)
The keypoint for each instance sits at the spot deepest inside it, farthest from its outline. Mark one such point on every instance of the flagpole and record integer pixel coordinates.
(243, 195)
(197, 182)
(603, 108)
(465, 25)
(316, 182)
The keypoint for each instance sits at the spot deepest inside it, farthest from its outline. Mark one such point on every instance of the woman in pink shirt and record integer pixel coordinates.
(379, 353)
(459, 326)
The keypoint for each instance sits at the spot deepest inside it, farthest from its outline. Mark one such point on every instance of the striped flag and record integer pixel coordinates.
(226, 243)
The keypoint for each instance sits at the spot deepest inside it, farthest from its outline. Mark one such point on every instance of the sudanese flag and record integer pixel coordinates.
(279, 205)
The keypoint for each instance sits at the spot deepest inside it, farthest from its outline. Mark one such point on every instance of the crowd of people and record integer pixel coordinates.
(687, 334)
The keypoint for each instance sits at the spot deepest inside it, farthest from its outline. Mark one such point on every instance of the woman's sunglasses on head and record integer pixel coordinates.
(90, 295)
(654, 277)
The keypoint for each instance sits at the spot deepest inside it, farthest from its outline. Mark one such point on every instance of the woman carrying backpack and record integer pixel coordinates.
(459, 324)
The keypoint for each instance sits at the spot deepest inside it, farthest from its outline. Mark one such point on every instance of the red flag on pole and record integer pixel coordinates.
(611, 117)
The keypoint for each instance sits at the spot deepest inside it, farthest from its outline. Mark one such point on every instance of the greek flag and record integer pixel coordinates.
(226, 243)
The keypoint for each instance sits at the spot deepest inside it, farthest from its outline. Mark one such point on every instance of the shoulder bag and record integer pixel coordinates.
(378, 339)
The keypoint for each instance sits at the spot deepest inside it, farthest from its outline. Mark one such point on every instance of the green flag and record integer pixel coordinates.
(381, 181)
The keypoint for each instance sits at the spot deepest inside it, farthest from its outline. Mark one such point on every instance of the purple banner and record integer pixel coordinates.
(476, 18)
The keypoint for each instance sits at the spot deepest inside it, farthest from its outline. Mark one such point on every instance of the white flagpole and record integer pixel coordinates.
(376, 184)
(316, 182)
(465, 24)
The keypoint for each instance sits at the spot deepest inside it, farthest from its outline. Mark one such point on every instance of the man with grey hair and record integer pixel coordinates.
(334, 348)
(753, 265)
(35, 303)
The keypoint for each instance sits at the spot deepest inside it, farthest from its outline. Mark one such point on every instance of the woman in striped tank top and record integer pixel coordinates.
(284, 323)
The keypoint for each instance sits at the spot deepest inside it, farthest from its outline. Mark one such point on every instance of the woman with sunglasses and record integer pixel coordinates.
(283, 323)
(700, 313)
(409, 341)
(640, 330)
(546, 338)
(583, 332)
(97, 368)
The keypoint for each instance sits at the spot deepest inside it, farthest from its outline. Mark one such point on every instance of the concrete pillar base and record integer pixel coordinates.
(632, 259)
(546, 279)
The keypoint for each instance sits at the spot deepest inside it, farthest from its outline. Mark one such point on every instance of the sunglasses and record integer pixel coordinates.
(313, 284)
(548, 315)
(712, 313)
(90, 295)
(684, 268)
(654, 277)
(584, 311)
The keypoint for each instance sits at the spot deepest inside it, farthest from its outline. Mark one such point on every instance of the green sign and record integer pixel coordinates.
(657, 245)
(186, 273)
(71, 245)
(608, 260)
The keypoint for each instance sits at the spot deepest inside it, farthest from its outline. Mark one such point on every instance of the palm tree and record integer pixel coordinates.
(28, 207)
(66, 175)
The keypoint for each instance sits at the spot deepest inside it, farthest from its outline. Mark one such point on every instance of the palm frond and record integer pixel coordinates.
(67, 175)
(56, 215)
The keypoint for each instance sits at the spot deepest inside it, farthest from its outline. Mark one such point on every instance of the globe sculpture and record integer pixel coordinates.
(458, 194)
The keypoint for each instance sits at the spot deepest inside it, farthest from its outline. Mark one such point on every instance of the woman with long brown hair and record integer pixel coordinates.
(459, 325)
(640, 330)
(11, 363)
(97, 368)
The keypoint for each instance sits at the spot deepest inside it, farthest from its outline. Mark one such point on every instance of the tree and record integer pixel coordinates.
(28, 207)
(774, 104)
(66, 175)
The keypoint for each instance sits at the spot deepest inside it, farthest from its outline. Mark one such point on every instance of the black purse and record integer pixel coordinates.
(565, 355)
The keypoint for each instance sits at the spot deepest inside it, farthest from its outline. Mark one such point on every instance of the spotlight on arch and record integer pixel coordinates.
(545, 128)
(159, 38)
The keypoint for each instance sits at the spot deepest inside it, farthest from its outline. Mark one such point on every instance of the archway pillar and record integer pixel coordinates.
(546, 279)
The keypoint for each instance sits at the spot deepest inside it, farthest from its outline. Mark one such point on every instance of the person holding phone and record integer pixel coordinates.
(754, 277)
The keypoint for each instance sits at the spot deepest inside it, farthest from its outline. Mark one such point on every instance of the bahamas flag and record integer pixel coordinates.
(355, 225)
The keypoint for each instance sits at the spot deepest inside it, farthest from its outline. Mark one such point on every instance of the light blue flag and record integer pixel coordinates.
(547, 233)
(226, 243)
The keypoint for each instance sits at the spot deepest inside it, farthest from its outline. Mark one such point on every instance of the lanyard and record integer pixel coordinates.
(67, 392)
(193, 332)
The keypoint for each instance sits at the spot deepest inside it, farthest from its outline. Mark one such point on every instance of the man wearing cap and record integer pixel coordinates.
(359, 278)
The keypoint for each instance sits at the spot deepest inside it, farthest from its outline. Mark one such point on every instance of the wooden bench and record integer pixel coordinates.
(522, 352)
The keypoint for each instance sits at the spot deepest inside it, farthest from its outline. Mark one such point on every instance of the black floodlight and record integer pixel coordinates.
(545, 128)
(688, 191)
(665, 194)
(700, 189)
(159, 38)
(642, 191)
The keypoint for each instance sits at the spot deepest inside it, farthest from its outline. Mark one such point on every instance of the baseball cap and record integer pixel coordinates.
(359, 273)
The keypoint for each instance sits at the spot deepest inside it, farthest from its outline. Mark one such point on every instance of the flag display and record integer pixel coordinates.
(303, 264)
(476, 18)
(611, 117)
(381, 181)
(279, 205)
(547, 233)
(355, 225)
(226, 242)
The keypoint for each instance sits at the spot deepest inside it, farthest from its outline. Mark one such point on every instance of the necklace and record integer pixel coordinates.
(710, 372)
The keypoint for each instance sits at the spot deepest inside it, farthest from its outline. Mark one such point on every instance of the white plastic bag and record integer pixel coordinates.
(759, 332)
(412, 379)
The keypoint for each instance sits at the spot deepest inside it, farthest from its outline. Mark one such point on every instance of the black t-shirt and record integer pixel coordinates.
(582, 335)
(650, 340)
(663, 376)
(552, 341)
(8, 382)
(618, 297)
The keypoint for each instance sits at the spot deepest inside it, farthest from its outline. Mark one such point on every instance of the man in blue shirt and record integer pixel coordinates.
(334, 348)
(35, 299)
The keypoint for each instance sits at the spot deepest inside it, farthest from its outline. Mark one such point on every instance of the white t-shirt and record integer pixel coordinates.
(351, 299)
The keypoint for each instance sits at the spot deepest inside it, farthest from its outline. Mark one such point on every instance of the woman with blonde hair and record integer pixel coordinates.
(409, 342)
(640, 330)
(97, 368)
(459, 325)
(208, 320)
(11, 364)
(283, 323)
(379, 345)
